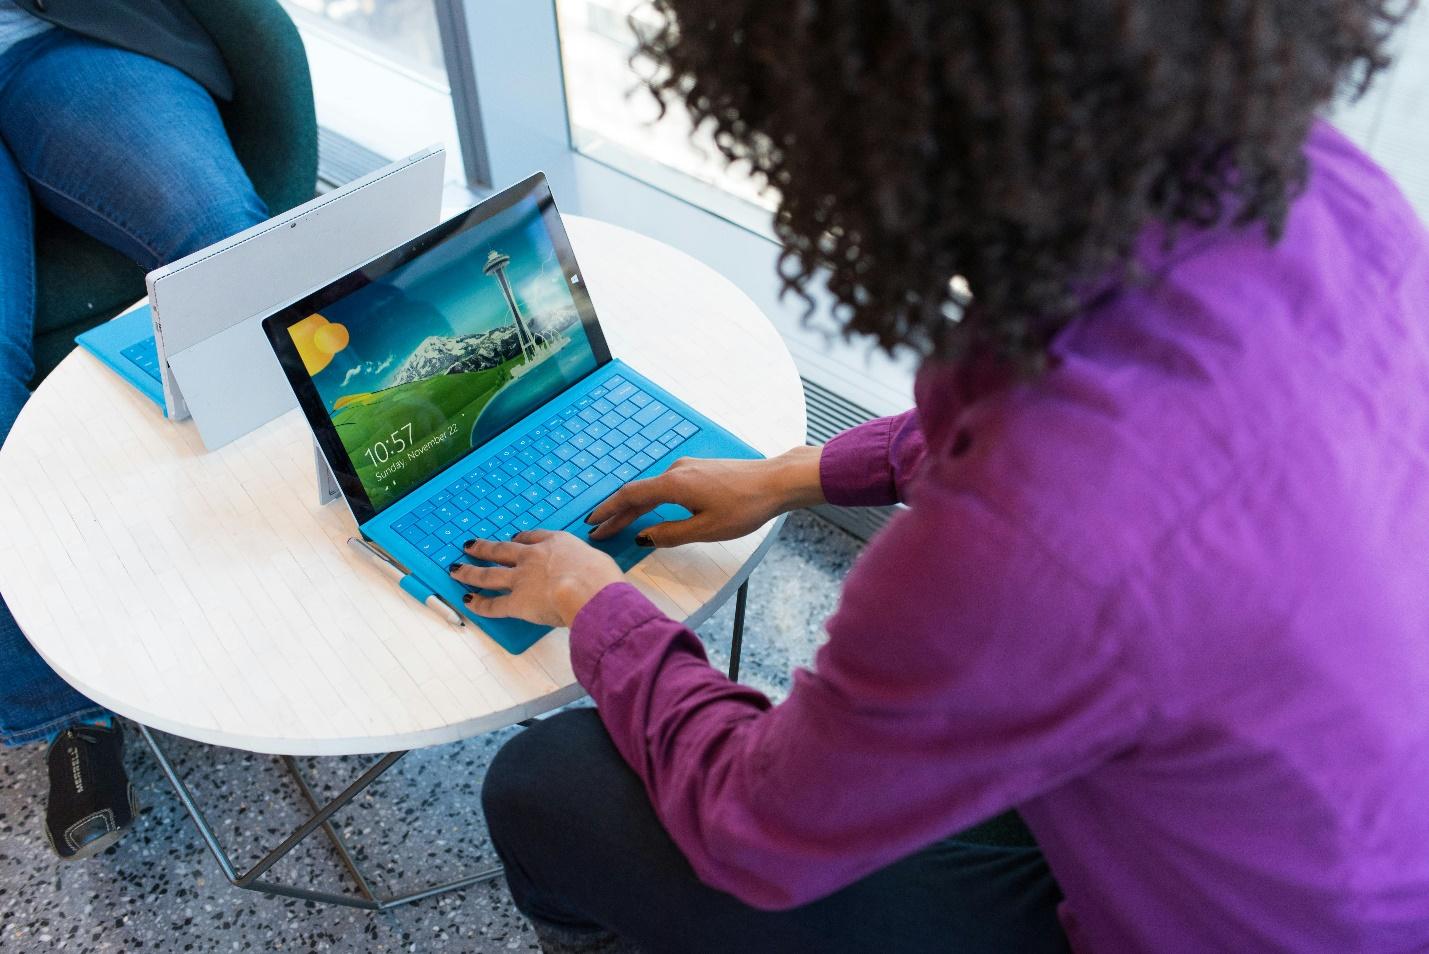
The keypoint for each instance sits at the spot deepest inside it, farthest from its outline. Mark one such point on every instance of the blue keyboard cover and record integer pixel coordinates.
(613, 428)
(145, 354)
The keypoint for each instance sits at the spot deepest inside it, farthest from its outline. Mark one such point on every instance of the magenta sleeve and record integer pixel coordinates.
(870, 465)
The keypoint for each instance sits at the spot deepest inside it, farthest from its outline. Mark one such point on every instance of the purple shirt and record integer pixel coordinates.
(1170, 600)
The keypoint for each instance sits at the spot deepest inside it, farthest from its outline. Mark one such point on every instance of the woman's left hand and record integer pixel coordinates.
(547, 575)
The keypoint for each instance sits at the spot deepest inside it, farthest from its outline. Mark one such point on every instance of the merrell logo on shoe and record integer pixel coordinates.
(74, 770)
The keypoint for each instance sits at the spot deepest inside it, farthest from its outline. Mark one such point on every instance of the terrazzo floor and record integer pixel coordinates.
(159, 890)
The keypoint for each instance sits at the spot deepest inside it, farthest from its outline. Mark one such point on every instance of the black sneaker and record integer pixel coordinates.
(91, 802)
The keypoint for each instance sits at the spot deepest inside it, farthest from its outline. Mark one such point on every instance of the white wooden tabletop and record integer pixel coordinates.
(207, 595)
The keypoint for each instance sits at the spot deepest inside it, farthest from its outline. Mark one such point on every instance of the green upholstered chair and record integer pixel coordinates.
(81, 282)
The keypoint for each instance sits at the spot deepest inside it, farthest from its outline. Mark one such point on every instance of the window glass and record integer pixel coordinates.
(612, 115)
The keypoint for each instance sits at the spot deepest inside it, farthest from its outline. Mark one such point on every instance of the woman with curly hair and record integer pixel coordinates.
(1160, 582)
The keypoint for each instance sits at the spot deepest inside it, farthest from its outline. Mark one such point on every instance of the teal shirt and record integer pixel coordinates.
(17, 25)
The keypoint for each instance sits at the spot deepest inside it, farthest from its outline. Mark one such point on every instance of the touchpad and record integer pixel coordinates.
(622, 546)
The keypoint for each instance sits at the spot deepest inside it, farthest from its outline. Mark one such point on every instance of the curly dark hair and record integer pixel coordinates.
(1021, 144)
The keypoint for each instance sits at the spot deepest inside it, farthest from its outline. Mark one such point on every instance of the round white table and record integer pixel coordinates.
(208, 595)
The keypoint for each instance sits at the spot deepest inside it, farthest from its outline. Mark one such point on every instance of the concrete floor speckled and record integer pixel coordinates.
(159, 890)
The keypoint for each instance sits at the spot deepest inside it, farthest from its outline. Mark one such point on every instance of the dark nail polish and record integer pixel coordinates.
(590, 517)
(466, 598)
(468, 544)
(643, 539)
(454, 567)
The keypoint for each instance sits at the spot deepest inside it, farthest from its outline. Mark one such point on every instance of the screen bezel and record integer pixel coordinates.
(276, 325)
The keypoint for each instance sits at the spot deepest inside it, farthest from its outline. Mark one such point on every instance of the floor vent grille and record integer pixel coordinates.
(340, 160)
(831, 414)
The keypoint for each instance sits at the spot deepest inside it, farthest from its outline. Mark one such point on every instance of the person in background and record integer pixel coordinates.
(1160, 583)
(108, 120)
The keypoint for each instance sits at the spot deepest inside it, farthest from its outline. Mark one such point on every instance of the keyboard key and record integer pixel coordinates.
(463, 501)
(575, 425)
(446, 556)
(499, 496)
(625, 391)
(622, 453)
(525, 522)
(637, 443)
(582, 441)
(511, 511)
(686, 429)
(551, 482)
(613, 380)
(412, 533)
(590, 415)
(590, 475)
(606, 464)
(446, 511)
(626, 472)
(596, 431)
(566, 415)
(523, 441)
(515, 485)
(602, 406)
(549, 462)
(565, 472)
(534, 493)
(483, 507)
(630, 427)
(612, 419)
(546, 445)
(457, 486)
(422, 509)
(518, 505)
(599, 449)
(532, 474)
(505, 533)
(597, 392)
(483, 530)
(431, 545)
(490, 464)
(449, 532)
(573, 486)
(430, 524)
(649, 412)
(553, 422)
(528, 455)
(465, 520)
(479, 488)
(672, 440)
(565, 452)
(583, 403)
(500, 517)
(640, 398)
(558, 499)
(440, 496)
(402, 523)
(536, 434)
(661, 424)
(626, 408)
(513, 467)
(541, 510)
(641, 461)
(583, 460)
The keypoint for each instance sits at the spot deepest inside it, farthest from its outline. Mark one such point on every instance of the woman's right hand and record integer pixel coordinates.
(727, 498)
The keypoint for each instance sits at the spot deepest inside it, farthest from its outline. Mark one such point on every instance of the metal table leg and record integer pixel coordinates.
(737, 641)
(252, 879)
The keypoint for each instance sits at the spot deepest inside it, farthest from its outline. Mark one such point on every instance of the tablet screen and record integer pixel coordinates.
(428, 359)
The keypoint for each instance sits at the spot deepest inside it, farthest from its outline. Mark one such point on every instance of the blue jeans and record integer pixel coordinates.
(134, 153)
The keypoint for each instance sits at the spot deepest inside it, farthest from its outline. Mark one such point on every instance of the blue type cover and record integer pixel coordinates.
(126, 344)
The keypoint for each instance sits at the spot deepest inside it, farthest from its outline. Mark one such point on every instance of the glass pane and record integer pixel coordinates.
(612, 115)
(402, 31)
(379, 77)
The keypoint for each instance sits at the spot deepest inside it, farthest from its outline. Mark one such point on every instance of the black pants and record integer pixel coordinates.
(588, 861)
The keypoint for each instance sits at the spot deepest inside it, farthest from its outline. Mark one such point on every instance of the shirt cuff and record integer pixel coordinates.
(603, 621)
(854, 467)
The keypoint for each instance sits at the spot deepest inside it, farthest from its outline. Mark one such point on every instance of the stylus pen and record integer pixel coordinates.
(395, 571)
